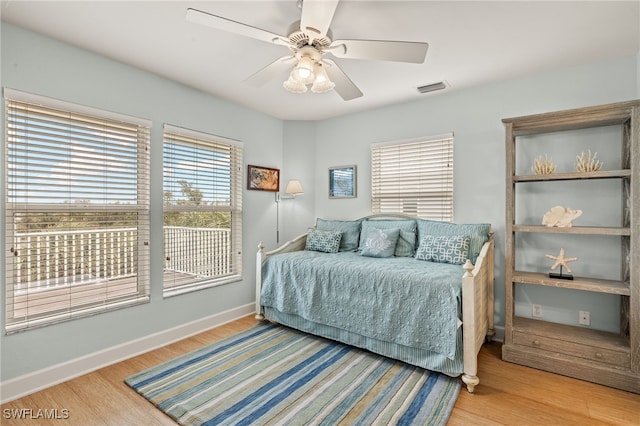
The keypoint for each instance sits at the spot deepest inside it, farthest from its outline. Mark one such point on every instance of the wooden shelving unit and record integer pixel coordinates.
(607, 174)
(612, 359)
(584, 230)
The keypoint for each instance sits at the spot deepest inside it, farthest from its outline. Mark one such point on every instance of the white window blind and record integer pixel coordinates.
(77, 210)
(414, 177)
(202, 210)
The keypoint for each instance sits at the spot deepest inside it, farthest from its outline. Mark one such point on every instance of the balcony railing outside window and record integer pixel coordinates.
(58, 259)
(204, 252)
(61, 258)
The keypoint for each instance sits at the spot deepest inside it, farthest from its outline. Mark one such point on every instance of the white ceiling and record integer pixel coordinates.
(470, 43)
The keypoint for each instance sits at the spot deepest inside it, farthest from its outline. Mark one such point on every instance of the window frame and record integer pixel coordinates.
(435, 182)
(21, 141)
(202, 140)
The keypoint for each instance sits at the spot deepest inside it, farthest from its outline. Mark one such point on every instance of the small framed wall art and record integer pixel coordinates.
(343, 182)
(263, 178)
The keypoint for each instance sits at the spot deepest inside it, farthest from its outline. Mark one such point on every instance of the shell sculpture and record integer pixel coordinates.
(587, 162)
(543, 166)
(560, 217)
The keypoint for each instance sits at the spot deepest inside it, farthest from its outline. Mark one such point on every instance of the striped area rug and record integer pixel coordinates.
(274, 375)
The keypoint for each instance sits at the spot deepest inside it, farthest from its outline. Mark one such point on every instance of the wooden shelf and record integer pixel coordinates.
(572, 366)
(578, 283)
(580, 230)
(579, 118)
(602, 174)
(569, 333)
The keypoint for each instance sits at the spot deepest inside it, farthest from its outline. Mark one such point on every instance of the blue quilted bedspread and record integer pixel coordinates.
(399, 299)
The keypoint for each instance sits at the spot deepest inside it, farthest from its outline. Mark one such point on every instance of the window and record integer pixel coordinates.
(202, 210)
(77, 210)
(414, 177)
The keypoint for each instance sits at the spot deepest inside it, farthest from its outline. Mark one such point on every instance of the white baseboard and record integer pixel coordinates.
(29, 383)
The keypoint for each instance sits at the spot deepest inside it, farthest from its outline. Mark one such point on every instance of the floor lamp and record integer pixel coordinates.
(294, 188)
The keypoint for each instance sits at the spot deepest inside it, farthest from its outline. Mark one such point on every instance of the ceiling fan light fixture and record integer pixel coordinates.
(308, 40)
(294, 85)
(322, 83)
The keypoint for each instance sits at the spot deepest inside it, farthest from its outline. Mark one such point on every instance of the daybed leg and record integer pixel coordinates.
(490, 333)
(260, 257)
(470, 381)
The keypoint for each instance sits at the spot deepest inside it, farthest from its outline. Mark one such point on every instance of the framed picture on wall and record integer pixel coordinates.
(263, 178)
(343, 182)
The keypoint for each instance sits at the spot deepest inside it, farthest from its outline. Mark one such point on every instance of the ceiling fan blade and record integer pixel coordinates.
(224, 24)
(344, 86)
(270, 71)
(317, 16)
(399, 51)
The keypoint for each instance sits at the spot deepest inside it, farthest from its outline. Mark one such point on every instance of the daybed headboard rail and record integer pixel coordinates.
(296, 244)
(383, 216)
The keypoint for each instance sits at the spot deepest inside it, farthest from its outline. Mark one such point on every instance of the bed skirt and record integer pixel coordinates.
(420, 357)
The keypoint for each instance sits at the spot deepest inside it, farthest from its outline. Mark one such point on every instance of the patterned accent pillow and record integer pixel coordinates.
(324, 241)
(407, 238)
(444, 249)
(380, 242)
(478, 233)
(350, 231)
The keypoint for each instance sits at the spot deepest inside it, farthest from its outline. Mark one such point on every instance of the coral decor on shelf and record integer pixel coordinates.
(543, 166)
(587, 162)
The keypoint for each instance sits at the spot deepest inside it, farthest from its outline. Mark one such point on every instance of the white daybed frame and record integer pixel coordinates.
(477, 297)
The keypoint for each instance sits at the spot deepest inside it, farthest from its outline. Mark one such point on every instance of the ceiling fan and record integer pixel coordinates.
(309, 40)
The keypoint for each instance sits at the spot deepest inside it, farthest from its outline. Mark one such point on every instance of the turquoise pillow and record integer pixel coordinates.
(452, 249)
(350, 231)
(478, 233)
(324, 241)
(380, 242)
(406, 241)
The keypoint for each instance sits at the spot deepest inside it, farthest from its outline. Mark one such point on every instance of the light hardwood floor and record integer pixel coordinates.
(508, 394)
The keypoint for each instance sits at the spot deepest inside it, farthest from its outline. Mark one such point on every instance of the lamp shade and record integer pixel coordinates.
(294, 187)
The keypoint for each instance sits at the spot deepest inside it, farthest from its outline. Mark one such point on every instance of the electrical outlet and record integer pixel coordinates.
(536, 311)
(585, 318)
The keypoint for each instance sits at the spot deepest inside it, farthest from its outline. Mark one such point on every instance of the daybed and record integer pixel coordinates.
(415, 290)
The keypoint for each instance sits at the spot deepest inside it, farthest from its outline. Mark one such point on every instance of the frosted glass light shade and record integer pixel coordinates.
(322, 83)
(303, 72)
(293, 85)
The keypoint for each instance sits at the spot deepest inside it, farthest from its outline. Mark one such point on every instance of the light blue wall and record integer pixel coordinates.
(474, 116)
(36, 64)
(298, 157)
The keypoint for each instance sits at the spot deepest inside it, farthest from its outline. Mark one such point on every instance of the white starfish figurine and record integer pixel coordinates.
(561, 260)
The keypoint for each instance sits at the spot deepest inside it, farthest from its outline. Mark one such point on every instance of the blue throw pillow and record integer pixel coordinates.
(478, 233)
(324, 241)
(350, 231)
(452, 249)
(380, 242)
(407, 237)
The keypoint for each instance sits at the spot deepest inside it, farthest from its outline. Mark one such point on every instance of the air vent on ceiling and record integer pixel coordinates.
(432, 87)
